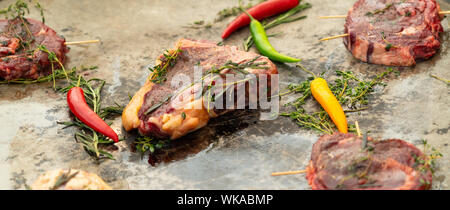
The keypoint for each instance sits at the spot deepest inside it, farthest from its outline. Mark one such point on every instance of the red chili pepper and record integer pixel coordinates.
(259, 12)
(79, 107)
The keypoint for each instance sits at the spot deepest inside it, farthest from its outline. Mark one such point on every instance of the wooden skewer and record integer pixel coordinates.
(344, 16)
(289, 173)
(83, 42)
(334, 37)
(358, 131)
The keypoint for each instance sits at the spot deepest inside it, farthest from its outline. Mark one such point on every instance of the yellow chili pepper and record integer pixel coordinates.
(329, 102)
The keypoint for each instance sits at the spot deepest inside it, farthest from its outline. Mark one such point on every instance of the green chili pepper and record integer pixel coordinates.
(263, 45)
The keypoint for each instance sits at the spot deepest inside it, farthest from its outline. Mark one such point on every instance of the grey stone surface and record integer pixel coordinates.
(236, 152)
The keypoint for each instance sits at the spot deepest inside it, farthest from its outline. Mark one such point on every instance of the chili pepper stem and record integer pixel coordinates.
(250, 16)
(79, 80)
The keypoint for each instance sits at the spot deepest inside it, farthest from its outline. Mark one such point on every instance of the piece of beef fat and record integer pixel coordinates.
(199, 81)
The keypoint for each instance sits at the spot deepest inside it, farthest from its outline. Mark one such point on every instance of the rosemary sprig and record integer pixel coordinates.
(286, 17)
(57, 74)
(63, 179)
(91, 140)
(350, 91)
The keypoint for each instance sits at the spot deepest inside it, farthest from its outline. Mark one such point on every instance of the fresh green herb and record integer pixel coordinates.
(57, 74)
(91, 140)
(428, 161)
(281, 19)
(145, 144)
(380, 11)
(111, 111)
(199, 25)
(388, 44)
(63, 179)
(408, 14)
(350, 91)
(234, 11)
(19, 9)
(157, 105)
(201, 22)
(388, 47)
(53, 59)
(159, 71)
(222, 15)
(41, 11)
(183, 115)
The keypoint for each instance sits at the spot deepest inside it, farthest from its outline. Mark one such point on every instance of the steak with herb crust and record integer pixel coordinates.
(393, 32)
(341, 162)
(19, 57)
(163, 110)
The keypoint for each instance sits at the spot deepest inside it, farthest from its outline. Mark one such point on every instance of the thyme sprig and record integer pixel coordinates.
(428, 161)
(388, 44)
(380, 11)
(53, 59)
(159, 71)
(286, 17)
(350, 91)
(146, 144)
(20, 8)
